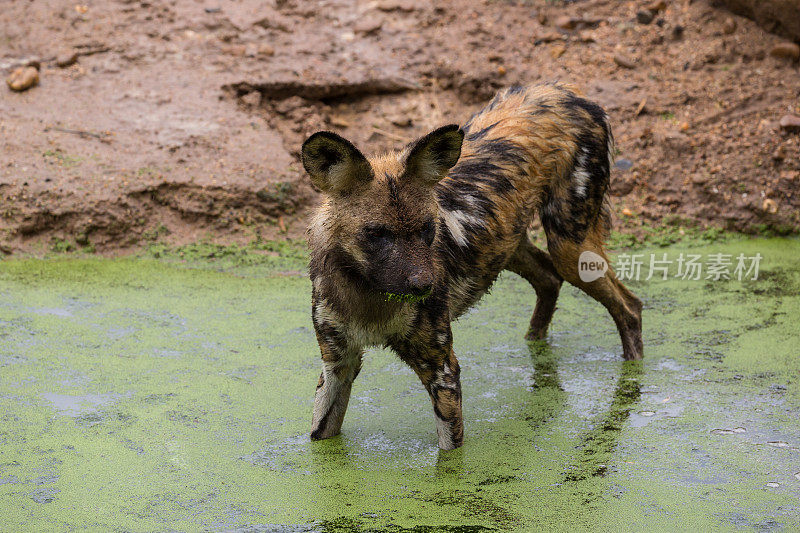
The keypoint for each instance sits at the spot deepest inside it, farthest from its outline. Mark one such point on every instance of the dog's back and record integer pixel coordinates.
(540, 149)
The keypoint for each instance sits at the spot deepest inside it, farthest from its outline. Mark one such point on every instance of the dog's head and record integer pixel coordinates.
(381, 213)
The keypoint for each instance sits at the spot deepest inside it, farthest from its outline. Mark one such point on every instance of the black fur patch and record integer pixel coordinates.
(480, 134)
(337, 260)
(570, 217)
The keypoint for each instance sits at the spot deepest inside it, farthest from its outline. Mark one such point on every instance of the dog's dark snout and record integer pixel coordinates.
(420, 283)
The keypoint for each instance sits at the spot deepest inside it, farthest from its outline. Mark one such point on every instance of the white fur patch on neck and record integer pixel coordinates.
(455, 220)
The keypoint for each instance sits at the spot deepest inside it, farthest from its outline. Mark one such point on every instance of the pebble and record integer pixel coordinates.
(252, 98)
(786, 50)
(658, 5)
(340, 122)
(790, 123)
(797, 476)
(624, 62)
(566, 23)
(641, 107)
(501, 70)
(23, 78)
(401, 121)
(558, 51)
(729, 26)
(621, 187)
(66, 58)
(395, 5)
(770, 206)
(623, 164)
(238, 50)
(773, 484)
(548, 37)
(627, 212)
(542, 18)
(368, 25)
(266, 50)
(644, 16)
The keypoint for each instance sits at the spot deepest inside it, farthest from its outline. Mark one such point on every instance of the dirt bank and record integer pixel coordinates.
(182, 120)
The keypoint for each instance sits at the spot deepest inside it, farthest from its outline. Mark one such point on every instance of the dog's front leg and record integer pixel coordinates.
(341, 364)
(432, 358)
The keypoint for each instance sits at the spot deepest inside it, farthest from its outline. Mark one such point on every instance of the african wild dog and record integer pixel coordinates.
(405, 242)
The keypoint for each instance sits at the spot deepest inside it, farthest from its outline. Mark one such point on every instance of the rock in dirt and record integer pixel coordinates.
(266, 50)
(401, 121)
(790, 123)
(621, 185)
(729, 26)
(786, 50)
(770, 206)
(644, 16)
(319, 89)
(777, 16)
(571, 23)
(566, 23)
(23, 78)
(548, 37)
(395, 5)
(558, 51)
(66, 58)
(340, 122)
(252, 99)
(657, 6)
(624, 62)
(623, 164)
(368, 25)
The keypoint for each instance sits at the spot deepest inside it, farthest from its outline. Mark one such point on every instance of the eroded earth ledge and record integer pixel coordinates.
(178, 121)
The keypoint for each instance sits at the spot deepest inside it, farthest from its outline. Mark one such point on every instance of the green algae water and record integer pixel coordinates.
(144, 395)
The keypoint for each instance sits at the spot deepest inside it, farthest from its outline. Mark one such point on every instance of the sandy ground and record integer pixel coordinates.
(182, 120)
(140, 395)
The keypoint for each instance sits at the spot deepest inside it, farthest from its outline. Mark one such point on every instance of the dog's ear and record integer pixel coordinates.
(334, 164)
(430, 157)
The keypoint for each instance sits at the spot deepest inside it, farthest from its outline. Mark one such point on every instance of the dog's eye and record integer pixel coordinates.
(428, 232)
(379, 234)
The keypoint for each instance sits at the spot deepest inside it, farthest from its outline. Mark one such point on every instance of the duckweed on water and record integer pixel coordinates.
(175, 392)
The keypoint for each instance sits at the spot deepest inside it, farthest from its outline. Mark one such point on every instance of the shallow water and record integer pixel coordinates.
(141, 395)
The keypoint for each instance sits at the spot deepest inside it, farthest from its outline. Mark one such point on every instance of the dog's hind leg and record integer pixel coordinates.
(625, 308)
(537, 268)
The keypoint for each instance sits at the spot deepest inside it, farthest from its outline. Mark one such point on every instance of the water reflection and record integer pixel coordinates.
(548, 395)
(598, 445)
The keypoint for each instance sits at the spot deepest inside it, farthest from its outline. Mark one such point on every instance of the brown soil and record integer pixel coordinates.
(182, 119)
